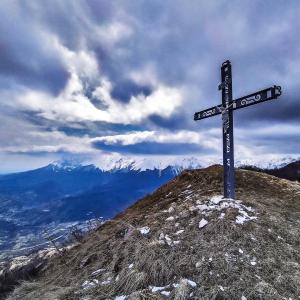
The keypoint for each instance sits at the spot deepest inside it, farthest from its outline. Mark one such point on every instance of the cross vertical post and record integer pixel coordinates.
(227, 117)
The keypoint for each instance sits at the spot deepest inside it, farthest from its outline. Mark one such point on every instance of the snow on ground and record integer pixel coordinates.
(166, 290)
(144, 230)
(166, 239)
(203, 223)
(97, 272)
(218, 203)
(120, 297)
(179, 232)
(155, 289)
(88, 284)
(191, 283)
(106, 282)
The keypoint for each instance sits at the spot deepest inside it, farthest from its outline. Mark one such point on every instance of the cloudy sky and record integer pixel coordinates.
(96, 78)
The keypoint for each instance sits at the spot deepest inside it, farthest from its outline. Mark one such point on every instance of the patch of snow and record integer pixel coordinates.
(253, 263)
(241, 251)
(177, 224)
(191, 283)
(144, 230)
(221, 216)
(221, 288)
(168, 240)
(97, 272)
(202, 207)
(210, 259)
(106, 282)
(243, 298)
(171, 209)
(166, 293)
(217, 199)
(186, 192)
(202, 223)
(161, 236)
(170, 218)
(179, 232)
(130, 266)
(244, 217)
(217, 203)
(120, 297)
(155, 289)
(176, 242)
(88, 284)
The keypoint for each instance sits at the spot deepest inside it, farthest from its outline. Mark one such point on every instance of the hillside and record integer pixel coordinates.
(185, 242)
(290, 171)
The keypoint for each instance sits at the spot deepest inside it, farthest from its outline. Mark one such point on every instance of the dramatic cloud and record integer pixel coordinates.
(151, 142)
(104, 77)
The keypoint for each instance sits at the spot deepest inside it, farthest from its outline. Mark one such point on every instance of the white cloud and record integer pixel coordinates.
(111, 34)
(47, 141)
(206, 139)
(72, 105)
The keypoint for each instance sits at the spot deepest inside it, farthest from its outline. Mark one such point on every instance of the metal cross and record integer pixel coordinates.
(226, 109)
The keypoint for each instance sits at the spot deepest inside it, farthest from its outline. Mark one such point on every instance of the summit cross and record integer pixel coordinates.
(226, 109)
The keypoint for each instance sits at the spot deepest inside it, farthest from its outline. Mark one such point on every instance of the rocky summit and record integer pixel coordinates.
(185, 241)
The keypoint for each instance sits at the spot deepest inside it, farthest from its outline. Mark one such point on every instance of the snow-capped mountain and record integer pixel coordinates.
(115, 162)
(126, 164)
(65, 192)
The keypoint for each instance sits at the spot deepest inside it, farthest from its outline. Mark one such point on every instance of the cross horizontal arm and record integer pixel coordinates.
(258, 97)
(210, 112)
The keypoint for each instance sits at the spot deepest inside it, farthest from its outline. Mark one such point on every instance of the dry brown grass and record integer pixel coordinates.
(210, 256)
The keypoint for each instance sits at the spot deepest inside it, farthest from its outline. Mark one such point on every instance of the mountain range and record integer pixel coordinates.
(61, 195)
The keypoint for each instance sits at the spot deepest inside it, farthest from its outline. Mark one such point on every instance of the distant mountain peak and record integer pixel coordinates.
(66, 165)
(178, 164)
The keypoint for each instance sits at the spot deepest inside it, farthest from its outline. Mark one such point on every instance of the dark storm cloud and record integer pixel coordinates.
(124, 90)
(284, 109)
(152, 148)
(94, 129)
(176, 121)
(24, 59)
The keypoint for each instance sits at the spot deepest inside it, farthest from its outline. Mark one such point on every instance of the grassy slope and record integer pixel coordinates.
(211, 256)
